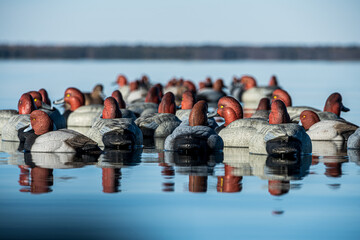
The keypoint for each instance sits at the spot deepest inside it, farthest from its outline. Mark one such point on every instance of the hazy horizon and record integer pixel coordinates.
(164, 23)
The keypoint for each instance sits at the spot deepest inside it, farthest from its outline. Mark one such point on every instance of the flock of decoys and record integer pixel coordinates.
(178, 113)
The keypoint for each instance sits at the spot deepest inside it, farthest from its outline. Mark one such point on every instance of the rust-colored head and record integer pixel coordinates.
(74, 97)
(153, 95)
(202, 85)
(40, 122)
(167, 104)
(218, 85)
(308, 118)
(334, 104)
(282, 95)
(160, 87)
(230, 109)
(208, 82)
(134, 86)
(118, 97)
(26, 104)
(45, 96)
(190, 86)
(278, 113)
(121, 80)
(273, 81)
(37, 98)
(264, 104)
(111, 109)
(278, 188)
(145, 79)
(248, 82)
(198, 114)
(188, 100)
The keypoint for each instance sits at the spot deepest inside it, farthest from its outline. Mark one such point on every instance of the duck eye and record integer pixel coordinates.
(34, 119)
(19, 102)
(275, 97)
(35, 100)
(304, 116)
(221, 106)
(68, 95)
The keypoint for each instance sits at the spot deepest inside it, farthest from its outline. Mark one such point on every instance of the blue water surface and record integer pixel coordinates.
(149, 195)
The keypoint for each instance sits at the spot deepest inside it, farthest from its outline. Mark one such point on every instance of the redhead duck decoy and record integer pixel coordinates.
(332, 109)
(64, 140)
(126, 113)
(113, 131)
(53, 113)
(124, 87)
(17, 123)
(252, 93)
(354, 140)
(326, 130)
(196, 137)
(212, 95)
(276, 137)
(160, 124)
(150, 105)
(187, 102)
(96, 96)
(79, 115)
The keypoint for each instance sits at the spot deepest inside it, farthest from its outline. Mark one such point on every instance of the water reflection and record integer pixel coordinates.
(198, 167)
(40, 182)
(111, 162)
(230, 182)
(278, 171)
(333, 154)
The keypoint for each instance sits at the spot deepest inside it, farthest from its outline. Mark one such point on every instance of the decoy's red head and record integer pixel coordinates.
(198, 114)
(188, 100)
(37, 98)
(219, 85)
(45, 96)
(167, 104)
(153, 95)
(111, 109)
(230, 109)
(273, 81)
(26, 104)
(334, 104)
(40, 122)
(282, 95)
(118, 97)
(248, 82)
(264, 104)
(278, 113)
(308, 118)
(74, 97)
(189, 85)
(160, 87)
(121, 80)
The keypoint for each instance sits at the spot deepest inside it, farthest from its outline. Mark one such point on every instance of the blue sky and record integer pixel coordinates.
(228, 22)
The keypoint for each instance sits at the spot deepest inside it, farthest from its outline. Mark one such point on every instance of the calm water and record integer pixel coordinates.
(152, 194)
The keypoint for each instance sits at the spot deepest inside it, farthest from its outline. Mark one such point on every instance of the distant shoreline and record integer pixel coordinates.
(206, 52)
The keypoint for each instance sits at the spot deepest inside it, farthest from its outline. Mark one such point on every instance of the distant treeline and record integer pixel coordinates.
(179, 52)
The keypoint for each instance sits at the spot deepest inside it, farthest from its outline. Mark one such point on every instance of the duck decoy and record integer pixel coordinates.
(114, 132)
